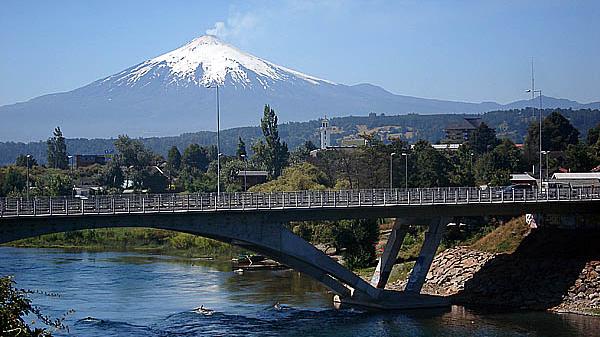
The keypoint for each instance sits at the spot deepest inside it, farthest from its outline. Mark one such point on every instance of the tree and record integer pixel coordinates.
(15, 181)
(483, 139)
(113, 175)
(132, 153)
(241, 149)
(57, 150)
(428, 166)
(557, 134)
(296, 178)
(579, 158)
(135, 157)
(173, 160)
(23, 161)
(57, 184)
(462, 166)
(271, 153)
(302, 153)
(16, 308)
(195, 158)
(593, 135)
(494, 168)
(358, 238)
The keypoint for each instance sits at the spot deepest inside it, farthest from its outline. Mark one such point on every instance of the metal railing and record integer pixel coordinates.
(212, 202)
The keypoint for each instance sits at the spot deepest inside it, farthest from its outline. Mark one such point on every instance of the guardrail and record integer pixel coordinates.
(212, 202)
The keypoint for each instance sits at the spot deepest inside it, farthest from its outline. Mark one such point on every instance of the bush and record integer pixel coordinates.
(14, 306)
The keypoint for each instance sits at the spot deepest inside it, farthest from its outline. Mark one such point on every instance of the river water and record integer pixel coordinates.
(133, 294)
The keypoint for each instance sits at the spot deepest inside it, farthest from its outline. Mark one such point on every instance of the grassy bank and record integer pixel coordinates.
(132, 239)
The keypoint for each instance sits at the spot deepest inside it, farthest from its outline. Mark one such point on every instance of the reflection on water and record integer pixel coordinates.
(131, 294)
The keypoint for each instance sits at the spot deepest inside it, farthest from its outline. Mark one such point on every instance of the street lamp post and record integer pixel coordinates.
(216, 86)
(245, 172)
(404, 154)
(73, 188)
(27, 164)
(546, 153)
(533, 92)
(391, 169)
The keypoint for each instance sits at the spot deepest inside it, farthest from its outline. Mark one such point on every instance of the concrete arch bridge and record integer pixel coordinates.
(257, 221)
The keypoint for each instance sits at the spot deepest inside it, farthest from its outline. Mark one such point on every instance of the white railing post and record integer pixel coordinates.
(50, 205)
(82, 207)
(66, 206)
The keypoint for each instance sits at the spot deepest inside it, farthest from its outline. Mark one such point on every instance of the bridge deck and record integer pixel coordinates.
(246, 201)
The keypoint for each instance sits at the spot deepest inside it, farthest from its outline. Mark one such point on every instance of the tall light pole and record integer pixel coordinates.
(391, 169)
(245, 172)
(540, 130)
(72, 189)
(27, 164)
(216, 86)
(404, 154)
(545, 153)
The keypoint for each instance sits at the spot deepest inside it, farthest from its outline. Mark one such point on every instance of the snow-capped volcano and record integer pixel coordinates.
(168, 95)
(208, 61)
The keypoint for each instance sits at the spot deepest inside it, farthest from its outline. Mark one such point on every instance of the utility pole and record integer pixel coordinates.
(245, 172)
(27, 164)
(391, 169)
(404, 154)
(216, 86)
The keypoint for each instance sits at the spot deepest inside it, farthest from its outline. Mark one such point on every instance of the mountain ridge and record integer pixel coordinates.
(167, 95)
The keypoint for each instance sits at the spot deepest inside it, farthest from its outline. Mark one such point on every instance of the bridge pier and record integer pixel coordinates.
(411, 297)
(433, 237)
(390, 254)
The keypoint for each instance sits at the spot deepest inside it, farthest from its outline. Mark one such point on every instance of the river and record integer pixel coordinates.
(135, 294)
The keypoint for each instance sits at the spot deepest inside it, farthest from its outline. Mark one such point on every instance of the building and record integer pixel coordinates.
(251, 178)
(461, 132)
(83, 160)
(522, 179)
(353, 142)
(576, 179)
(442, 147)
(325, 134)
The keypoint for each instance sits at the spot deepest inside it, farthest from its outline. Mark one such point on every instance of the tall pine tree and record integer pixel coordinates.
(241, 149)
(57, 150)
(271, 153)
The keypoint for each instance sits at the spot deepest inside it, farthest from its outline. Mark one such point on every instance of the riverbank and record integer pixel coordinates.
(549, 269)
(148, 240)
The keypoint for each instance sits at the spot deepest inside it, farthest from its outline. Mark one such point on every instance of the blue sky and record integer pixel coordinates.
(458, 50)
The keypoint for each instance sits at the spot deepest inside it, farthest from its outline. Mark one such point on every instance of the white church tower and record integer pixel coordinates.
(325, 137)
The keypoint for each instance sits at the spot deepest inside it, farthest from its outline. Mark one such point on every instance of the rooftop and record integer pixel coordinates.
(577, 175)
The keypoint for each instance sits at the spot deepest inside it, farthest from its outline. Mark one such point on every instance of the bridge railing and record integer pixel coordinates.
(210, 202)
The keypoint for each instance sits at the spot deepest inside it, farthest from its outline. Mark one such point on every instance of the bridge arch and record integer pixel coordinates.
(267, 237)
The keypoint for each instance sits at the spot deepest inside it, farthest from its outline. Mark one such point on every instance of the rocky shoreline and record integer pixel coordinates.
(560, 280)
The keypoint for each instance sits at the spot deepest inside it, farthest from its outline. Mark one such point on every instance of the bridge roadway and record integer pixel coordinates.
(258, 221)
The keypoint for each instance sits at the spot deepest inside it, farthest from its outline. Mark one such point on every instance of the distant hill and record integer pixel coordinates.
(168, 95)
(412, 127)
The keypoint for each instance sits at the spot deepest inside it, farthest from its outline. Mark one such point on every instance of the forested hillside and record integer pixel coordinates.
(510, 124)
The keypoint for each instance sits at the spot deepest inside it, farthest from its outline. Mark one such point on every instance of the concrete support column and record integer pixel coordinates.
(433, 237)
(390, 254)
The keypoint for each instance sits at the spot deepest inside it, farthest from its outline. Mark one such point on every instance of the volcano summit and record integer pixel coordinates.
(169, 95)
